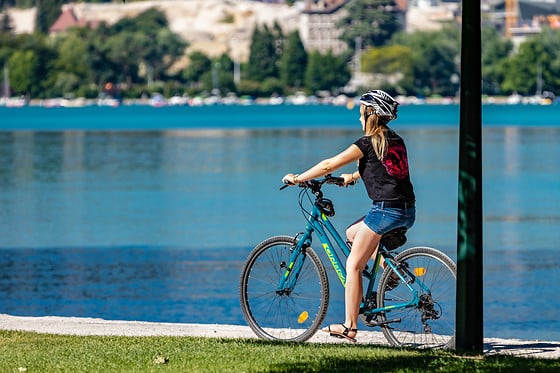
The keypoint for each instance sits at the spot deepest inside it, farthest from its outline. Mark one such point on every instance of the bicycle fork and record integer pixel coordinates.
(293, 268)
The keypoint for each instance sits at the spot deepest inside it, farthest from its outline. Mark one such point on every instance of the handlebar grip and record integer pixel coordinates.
(335, 180)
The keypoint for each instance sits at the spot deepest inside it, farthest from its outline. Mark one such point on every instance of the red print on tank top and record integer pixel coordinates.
(396, 161)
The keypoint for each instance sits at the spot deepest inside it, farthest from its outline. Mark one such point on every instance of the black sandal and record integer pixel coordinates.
(343, 334)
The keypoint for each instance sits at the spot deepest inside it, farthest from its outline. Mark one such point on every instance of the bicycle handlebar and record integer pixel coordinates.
(315, 184)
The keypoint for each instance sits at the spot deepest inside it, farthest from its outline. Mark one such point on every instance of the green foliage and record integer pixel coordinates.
(435, 58)
(293, 62)
(394, 63)
(125, 49)
(150, 22)
(271, 86)
(152, 43)
(223, 79)
(6, 24)
(24, 64)
(72, 56)
(162, 54)
(262, 55)
(495, 52)
(32, 352)
(47, 13)
(326, 72)
(199, 63)
(31, 66)
(228, 18)
(521, 71)
(374, 21)
(249, 87)
(7, 46)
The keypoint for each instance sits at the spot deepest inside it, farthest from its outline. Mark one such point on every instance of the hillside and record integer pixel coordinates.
(212, 26)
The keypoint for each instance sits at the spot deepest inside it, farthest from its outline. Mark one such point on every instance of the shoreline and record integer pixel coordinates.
(295, 99)
(83, 326)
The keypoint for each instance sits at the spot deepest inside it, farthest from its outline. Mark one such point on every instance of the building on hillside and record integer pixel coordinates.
(23, 20)
(68, 19)
(319, 29)
(431, 15)
(318, 26)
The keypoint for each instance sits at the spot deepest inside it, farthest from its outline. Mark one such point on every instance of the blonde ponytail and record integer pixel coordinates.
(376, 129)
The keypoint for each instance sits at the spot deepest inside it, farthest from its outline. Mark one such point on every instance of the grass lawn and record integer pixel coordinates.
(33, 352)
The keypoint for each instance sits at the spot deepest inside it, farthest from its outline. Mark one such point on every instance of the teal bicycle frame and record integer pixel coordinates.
(319, 223)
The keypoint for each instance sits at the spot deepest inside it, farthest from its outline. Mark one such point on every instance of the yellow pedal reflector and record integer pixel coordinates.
(302, 317)
(419, 271)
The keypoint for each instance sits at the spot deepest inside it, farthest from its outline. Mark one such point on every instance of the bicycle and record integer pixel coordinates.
(284, 286)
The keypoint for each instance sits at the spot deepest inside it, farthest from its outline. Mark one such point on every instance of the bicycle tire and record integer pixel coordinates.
(294, 316)
(405, 326)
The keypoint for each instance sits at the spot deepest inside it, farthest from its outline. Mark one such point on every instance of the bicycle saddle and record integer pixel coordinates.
(394, 238)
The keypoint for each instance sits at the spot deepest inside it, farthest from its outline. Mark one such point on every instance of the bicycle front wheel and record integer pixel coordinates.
(430, 323)
(289, 314)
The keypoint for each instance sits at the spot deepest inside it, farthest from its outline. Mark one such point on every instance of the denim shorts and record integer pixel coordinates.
(382, 219)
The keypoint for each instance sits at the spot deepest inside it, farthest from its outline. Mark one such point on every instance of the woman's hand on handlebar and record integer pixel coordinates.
(348, 179)
(289, 179)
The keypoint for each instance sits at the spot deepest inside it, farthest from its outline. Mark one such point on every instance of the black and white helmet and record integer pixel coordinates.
(383, 104)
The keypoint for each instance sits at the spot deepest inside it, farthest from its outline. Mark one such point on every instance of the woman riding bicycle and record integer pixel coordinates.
(383, 166)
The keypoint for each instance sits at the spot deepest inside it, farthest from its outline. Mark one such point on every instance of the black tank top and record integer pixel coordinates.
(389, 179)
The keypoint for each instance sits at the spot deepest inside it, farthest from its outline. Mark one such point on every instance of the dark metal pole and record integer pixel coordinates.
(469, 322)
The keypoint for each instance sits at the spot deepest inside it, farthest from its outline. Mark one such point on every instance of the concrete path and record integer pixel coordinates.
(91, 326)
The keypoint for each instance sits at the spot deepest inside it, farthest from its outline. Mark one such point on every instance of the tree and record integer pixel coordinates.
(394, 64)
(47, 13)
(262, 62)
(125, 50)
(198, 65)
(71, 64)
(149, 22)
(293, 62)
(326, 72)
(160, 47)
(162, 54)
(375, 21)
(72, 55)
(32, 66)
(435, 56)
(495, 51)
(537, 54)
(101, 68)
(6, 25)
(24, 65)
(7, 46)
(220, 75)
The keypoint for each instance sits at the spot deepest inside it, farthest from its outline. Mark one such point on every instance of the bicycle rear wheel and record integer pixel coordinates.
(430, 323)
(284, 314)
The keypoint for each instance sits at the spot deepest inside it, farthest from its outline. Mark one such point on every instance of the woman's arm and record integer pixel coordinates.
(326, 166)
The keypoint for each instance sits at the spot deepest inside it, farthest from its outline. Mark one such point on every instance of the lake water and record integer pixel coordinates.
(141, 213)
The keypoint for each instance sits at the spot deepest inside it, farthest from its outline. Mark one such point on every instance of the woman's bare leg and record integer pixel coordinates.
(364, 245)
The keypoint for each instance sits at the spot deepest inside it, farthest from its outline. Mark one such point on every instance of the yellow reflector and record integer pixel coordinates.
(419, 271)
(302, 317)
